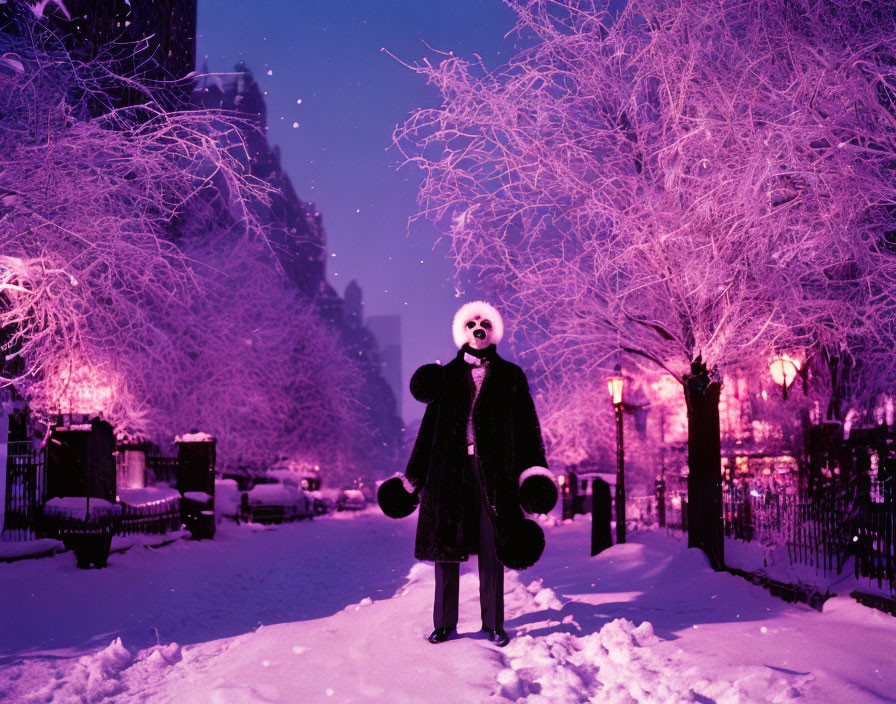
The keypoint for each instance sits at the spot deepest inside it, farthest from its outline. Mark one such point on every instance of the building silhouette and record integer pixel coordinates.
(387, 331)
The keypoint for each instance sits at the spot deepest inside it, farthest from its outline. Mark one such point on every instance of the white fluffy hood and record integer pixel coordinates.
(468, 311)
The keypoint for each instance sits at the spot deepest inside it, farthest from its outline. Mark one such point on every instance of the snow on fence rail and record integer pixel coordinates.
(153, 510)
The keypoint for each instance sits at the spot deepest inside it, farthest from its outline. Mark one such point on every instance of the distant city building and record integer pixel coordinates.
(295, 228)
(387, 331)
(354, 305)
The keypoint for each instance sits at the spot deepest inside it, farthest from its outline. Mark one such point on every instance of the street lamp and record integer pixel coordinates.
(615, 385)
(784, 370)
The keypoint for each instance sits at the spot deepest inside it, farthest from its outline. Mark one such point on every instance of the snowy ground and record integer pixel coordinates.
(337, 610)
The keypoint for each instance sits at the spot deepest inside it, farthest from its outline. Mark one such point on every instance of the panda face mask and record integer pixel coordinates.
(479, 332)
(477, 325)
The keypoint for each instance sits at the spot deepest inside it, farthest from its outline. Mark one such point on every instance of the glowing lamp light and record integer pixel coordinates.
(80, 389)
(615, 385)
(784, 370)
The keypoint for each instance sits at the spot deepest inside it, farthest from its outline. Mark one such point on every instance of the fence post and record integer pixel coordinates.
(661, 502)
(196, 474)
(4, 444)
(747, 514)
(601, 537)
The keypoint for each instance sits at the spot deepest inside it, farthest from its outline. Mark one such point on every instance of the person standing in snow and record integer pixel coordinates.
(477, 465)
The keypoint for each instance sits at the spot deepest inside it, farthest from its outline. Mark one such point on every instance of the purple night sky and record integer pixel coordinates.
(329, 56)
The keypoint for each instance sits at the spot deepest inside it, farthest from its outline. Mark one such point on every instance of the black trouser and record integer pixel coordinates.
(491, 573)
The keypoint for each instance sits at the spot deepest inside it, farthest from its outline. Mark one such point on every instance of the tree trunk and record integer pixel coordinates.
(705, 525)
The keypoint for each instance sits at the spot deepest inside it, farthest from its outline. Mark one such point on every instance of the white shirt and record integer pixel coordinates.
(478, 371)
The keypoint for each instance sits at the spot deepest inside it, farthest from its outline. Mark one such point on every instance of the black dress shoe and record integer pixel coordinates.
(499, 637)
(440, 635)
(489, 632)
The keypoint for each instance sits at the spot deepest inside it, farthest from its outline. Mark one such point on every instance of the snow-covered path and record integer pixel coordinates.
(337, 610)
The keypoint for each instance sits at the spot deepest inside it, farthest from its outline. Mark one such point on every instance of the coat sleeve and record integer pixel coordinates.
(418, 463)
(527, 431)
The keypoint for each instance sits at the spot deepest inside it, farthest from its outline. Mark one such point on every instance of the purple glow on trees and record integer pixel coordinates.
(698, 184)
(88, 208)
(263, 372)
(136, 277)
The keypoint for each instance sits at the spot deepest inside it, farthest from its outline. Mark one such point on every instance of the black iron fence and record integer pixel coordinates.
(163, 469)
(671, 507)
(822, 531)
(25, 491)
(817, 531)
(841, 506)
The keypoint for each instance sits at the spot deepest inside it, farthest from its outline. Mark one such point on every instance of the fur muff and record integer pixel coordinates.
(426, 383)
(467, 311)
(395, 500)
(523, 547)
(508, 441)
(538, 492)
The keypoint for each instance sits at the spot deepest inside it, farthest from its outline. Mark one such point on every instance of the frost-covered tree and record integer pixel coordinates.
(136, 277)
(694, 184)
(90, 196)
(262, 372)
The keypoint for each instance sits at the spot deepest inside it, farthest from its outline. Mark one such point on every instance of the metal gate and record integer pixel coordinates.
(25, 491)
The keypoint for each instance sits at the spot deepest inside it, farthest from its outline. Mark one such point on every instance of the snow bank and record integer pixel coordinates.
(612, 665)
(29, 548)
(774, 562)
(346, 610)
(123, 543)
(98, 676)
(520, 598)
(621, 664)
(93, 678)
(227, 497)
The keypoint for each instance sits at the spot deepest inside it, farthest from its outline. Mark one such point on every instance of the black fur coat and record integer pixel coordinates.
(508, 441)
